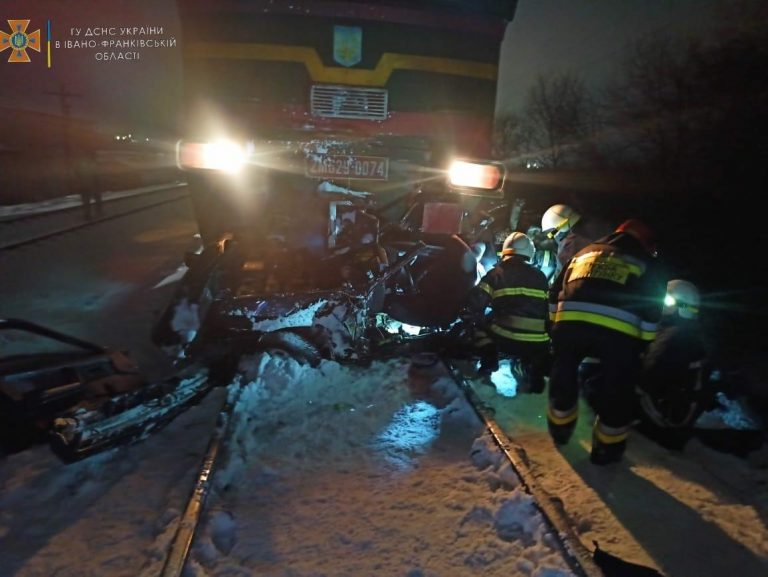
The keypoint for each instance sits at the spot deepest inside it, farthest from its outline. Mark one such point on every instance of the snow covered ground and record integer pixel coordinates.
(698, 511)
(72, 201)
(332, 471)
(383, 471)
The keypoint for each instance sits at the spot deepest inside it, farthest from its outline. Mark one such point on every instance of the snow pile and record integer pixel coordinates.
(504, 380)
(308, 411)
(383, 470)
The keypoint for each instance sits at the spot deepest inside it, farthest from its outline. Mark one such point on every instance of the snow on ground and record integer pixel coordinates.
(332, 471)
(349, 471)
(383, 471)
(698, 511)
(104, 516)
(74, 200)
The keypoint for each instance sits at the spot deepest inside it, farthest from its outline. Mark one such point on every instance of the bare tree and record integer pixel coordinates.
(654, 106)
(511, 140)
(558, 116)
(695, 111)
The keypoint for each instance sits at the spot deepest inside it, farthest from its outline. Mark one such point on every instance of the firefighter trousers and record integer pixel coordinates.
(614, 403)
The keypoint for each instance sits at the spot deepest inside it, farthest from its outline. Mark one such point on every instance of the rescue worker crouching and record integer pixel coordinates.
(516, 293)
(606, 304)
(675, 387)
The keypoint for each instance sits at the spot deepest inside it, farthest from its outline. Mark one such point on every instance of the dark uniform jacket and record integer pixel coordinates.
(613, 283)
(517, 294)
(581, 234)
(545, 257)
(675, 387)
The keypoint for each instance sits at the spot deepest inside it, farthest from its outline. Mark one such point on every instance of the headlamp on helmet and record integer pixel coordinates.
(682, 298)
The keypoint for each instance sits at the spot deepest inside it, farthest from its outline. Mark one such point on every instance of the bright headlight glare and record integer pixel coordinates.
(222, 155)
(474, 175)
(669, 301)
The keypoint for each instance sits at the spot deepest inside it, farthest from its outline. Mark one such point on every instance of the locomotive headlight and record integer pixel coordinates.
(476, 175)
(221, 155)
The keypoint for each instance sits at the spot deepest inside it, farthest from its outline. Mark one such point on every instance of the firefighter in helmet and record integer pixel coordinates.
(606, 303)
(675, 385)
(570, 231)
(516, 293)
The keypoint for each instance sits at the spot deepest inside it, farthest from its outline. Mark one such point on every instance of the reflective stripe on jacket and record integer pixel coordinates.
(517, 294)
(613, 283)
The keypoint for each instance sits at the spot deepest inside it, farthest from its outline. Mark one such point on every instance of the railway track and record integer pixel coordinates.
(30, 228)
(580, 559)
(577, 557)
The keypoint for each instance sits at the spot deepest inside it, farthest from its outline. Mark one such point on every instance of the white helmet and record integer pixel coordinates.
(558, 219)
(682, 298)
(518, 243)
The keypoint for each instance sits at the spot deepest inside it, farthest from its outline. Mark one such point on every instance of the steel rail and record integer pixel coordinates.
(85, 224)
(181, 544)
(577, 555)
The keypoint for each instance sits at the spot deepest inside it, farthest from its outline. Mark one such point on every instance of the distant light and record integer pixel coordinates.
(669, 301)
(117, 137)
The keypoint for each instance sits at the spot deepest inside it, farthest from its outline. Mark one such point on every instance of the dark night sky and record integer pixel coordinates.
(581, 36)
(584, 37)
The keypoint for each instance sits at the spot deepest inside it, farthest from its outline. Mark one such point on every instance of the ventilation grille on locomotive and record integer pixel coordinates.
(349, 102)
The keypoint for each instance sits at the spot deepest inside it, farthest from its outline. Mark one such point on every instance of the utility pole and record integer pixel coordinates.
(66, 112)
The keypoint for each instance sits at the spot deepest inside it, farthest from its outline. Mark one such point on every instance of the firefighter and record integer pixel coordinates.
(516, 293)
(570, 231)
(545, 254)
(607, 304)
(675, 387)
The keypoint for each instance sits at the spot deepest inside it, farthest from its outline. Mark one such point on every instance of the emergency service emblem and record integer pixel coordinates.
(18, 41)
(347, 45)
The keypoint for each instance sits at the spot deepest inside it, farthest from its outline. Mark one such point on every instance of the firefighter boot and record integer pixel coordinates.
(561, 423)
(529, 377)
(608, 443)
(606, 453)
(561, 433)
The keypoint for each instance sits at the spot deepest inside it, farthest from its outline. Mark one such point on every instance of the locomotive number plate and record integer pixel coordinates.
(347, 166)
